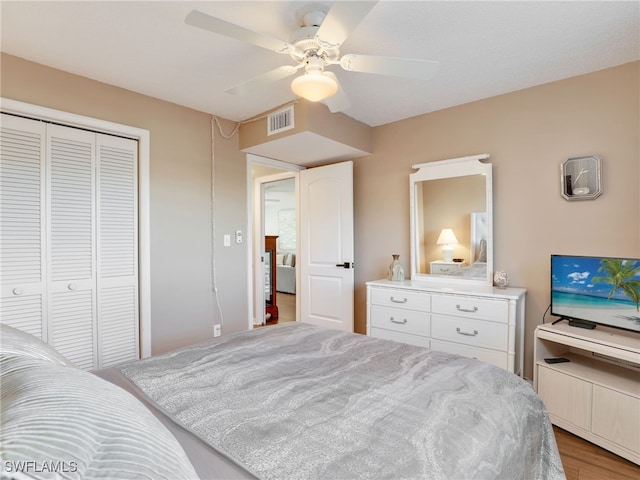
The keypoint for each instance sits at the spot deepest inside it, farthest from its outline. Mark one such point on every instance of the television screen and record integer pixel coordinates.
(600, 290)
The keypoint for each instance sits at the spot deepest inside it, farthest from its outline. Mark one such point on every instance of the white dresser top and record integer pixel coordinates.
(477, 290)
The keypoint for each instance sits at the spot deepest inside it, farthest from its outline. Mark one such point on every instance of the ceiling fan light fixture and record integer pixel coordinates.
(314, 85)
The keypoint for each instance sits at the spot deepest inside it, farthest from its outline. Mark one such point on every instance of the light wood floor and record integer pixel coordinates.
(286, 309)
(583, 460)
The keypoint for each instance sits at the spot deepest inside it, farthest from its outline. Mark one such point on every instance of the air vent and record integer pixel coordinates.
(280, 121)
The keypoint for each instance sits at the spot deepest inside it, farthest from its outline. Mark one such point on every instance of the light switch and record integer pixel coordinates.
(227, 240)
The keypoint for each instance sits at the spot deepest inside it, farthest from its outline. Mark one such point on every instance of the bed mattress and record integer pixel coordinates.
(298, 401)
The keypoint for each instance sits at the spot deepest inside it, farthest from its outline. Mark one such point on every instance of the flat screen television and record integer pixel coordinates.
(590, 291)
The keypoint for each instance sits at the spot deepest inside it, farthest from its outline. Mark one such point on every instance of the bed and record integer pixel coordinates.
(290, 401)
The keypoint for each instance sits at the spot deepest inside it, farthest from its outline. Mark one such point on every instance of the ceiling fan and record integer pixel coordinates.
(314, 46)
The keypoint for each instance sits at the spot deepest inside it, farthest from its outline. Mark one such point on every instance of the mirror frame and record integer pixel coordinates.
(451, 168)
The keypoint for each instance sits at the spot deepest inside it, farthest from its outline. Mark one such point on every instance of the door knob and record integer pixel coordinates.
(344, 265)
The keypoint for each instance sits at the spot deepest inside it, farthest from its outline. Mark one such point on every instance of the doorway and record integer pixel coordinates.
(280, 226)
(324, 254)
(274, 213)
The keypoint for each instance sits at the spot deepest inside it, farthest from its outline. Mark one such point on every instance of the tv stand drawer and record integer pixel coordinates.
(565, 396)
(616, 417)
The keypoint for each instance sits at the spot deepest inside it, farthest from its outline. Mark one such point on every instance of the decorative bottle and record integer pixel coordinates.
(501, 279)
(396, 272)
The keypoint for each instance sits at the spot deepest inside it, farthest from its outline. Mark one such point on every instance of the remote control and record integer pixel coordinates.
(556, 360)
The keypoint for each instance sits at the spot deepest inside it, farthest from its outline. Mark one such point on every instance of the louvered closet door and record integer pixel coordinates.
(117, 250)
(68, 239)
(72, 249)
(22, 273)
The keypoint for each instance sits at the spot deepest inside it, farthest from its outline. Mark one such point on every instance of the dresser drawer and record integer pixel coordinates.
(401, 299)
(498, 359)
(477, 333)
(445, 268)
(410, 322)
(400, 337)
(471, 307)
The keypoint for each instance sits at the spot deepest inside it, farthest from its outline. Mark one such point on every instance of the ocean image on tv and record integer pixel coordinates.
(601, 290)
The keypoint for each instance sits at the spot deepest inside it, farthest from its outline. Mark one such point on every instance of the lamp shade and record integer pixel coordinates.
(447, 237)
(314, 86)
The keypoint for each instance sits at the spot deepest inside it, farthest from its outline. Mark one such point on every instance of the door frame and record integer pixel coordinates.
(255, 222)
(143, 137)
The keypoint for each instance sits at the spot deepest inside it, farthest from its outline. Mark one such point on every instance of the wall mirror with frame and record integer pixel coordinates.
(452, 221)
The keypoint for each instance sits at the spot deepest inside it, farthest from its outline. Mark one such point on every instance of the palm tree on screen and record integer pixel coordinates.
(620, 274)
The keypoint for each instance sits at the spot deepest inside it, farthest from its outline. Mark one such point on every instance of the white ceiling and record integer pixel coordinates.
(484, 49)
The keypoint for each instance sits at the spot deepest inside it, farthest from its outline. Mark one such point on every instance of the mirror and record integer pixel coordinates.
(452, 221)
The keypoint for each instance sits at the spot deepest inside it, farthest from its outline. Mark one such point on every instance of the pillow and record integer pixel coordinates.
(58, 421)
(482, 251)
(280, 258)
(290, 260)
(19, 343)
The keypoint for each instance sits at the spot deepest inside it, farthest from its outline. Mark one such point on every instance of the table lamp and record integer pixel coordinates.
(448, 239)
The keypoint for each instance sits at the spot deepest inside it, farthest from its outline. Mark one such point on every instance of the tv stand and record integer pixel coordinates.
(596, 395)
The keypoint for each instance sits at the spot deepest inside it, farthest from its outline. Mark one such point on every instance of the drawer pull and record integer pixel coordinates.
(403, 322)
(460, 309)
(469, 334)
(394, 300)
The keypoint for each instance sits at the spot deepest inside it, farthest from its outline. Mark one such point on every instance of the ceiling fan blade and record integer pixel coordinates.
(199, 19)
(341, 20)
(338, 102)
(262, 80)
(396, 66)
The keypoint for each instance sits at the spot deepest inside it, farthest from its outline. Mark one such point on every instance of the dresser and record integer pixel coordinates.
(481, 322)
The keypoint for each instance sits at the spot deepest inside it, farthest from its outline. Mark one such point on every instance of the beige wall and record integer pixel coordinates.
(182, 307)
(528, 133)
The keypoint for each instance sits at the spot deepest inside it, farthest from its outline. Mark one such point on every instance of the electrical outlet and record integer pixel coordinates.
(238, 236)
(217, 330)
(227, 240)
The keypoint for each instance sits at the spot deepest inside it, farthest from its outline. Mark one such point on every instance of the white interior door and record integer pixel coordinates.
(22, 232)
(117, 250)
(326, 246)
(71, 247)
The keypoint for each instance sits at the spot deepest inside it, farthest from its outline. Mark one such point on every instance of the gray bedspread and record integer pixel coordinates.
(294, 401)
